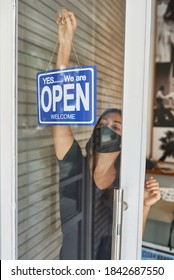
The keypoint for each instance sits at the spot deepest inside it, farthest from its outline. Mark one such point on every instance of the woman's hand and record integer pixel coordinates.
(151, 196)
(151, 192)
(67, 25)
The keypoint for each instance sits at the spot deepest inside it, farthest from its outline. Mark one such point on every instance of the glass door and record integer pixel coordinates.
(61, 214)
(137, 77)
(65, 211)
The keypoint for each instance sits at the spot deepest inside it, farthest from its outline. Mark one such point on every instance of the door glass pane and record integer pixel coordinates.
(65, 206)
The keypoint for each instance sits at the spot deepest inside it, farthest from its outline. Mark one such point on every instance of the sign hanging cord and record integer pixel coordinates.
(51, 58)
(54, 50)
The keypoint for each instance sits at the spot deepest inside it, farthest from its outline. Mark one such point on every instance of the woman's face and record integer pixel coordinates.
(113, 121)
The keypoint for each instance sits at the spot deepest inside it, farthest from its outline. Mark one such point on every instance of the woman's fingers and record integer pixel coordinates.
(151, 191)
(148, 186)
(67, 24)
(59, 19)
(151, 182)
(153, 188)
(70, 19)
(67, 17)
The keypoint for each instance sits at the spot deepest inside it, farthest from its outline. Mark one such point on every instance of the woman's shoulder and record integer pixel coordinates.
(72, 162)
(72, 153)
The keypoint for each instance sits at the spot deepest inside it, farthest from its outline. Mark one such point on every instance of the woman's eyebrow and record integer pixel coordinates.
(114, 121)
(117, 122)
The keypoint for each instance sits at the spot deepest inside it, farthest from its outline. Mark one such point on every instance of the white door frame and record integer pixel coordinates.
(8, 127)
(138, 21)
(136, 84)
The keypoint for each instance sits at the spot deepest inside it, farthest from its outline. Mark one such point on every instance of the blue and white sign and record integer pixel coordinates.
(67, 96)
(150, 254)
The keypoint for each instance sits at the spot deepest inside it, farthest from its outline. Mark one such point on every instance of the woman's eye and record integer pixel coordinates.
(117, 128)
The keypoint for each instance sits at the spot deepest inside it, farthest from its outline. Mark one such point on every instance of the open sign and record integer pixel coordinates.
(67, 96)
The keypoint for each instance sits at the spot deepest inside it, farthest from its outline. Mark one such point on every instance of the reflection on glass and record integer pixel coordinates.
(56, 200)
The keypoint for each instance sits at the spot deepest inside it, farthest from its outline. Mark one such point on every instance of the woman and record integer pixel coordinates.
(102, 162)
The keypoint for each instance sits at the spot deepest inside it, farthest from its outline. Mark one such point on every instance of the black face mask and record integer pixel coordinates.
(105, 140)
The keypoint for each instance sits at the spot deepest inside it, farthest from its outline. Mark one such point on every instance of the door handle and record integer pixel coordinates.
(117, 224)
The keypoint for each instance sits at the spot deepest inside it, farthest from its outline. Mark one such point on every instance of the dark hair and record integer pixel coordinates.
(89, 146)
(111, 110)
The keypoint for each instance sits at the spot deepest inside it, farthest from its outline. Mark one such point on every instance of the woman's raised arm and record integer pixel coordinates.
(67, 24)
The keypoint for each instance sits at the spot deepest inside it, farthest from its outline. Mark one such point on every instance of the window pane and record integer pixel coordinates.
(42, 190)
